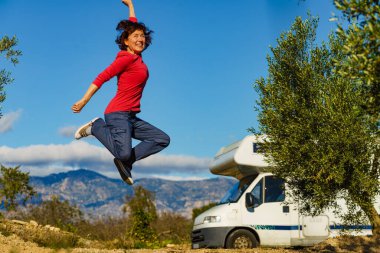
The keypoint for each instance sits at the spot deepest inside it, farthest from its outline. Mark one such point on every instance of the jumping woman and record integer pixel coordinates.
(121, 123)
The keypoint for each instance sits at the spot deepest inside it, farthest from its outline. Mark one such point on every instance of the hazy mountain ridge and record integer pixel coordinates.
(98, 195)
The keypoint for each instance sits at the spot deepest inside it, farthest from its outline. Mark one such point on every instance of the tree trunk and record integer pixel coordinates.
(374, 218)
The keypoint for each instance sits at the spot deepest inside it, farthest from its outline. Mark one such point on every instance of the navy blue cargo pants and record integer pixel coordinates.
(117, 131)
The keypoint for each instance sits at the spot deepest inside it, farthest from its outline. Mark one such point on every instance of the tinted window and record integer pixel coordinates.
(256, 148)
(257, 193)
(274, 189)
(237, 190)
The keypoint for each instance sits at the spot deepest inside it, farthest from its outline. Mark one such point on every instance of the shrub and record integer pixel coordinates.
(43, 236)
(107, 229)
(54, 212)
(142, 214)
(198, 211)
(173, 228)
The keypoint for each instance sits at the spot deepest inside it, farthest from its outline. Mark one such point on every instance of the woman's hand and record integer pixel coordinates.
(127, 2)
(78, 106)
(131, 8)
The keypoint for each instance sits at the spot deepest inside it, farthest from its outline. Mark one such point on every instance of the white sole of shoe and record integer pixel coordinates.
(77, 133)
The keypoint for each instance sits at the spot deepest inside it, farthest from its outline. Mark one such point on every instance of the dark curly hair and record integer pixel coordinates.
(126, 28)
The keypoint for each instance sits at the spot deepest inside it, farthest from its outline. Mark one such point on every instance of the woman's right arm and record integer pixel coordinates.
(78, 106)
(117, 66)
(132, 15)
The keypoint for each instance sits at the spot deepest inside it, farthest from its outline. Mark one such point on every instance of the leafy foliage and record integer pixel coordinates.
(198, 211)
(14, 187)
(102, 229)
(57, 213)
(6, 47)
(173, 228)
(319, 137)
(142, 214)
(362, 49)
(138, 229)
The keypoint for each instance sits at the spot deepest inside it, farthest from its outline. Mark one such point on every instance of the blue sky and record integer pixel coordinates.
(204, 60)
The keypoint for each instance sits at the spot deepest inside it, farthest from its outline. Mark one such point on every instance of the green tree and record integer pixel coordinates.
(362, 50)
(198, 211)
(173, 228)
(103, 229)
(56, 212)
(142, 213)
(14, 187)
(319, 137)
(6, 47)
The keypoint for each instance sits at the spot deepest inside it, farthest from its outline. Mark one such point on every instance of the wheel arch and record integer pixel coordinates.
(244, 228)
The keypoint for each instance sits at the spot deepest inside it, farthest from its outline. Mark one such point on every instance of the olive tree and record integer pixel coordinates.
(14, 187)
(361, 47)
(319, 136)
(7, 48)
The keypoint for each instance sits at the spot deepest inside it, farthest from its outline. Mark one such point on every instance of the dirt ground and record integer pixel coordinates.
(13, 244)
(12, 233)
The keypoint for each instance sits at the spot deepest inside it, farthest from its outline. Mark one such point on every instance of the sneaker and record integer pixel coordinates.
(84, 130)
(124, 171)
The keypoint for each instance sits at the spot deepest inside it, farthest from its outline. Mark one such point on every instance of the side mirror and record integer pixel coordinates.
(249, 200)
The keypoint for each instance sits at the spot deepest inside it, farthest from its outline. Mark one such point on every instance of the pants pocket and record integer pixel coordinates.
(119, 135)
(122, 142)
(115, 132)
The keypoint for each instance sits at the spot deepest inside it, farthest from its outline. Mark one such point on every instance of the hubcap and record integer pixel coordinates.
(242, 242)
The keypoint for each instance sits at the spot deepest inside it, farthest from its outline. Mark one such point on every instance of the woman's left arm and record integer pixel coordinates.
(132, 15)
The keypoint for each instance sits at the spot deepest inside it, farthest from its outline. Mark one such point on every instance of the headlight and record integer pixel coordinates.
(211, 219)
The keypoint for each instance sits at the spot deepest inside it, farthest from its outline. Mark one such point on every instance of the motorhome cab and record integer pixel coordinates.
(253, 211)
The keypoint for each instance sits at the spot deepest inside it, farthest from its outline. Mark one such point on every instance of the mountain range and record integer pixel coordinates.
(99, 196)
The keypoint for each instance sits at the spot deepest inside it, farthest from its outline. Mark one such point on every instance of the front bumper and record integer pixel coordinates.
(209, 237)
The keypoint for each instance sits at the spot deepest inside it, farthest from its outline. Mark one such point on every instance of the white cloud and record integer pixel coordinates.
(74, 153)
(179, 178)
(8, 120)
(67, 131)
(46, 159)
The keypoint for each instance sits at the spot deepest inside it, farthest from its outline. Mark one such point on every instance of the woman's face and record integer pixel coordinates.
(135, 42)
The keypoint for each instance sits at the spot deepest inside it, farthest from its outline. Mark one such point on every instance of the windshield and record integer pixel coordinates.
(237, 190)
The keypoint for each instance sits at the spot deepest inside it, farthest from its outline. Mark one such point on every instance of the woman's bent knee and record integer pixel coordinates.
(123, 156)
(164, 141)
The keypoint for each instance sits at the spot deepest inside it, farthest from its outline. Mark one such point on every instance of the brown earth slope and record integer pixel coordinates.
(17, 237)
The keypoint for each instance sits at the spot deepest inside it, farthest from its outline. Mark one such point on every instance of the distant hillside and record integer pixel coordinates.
(99, 196)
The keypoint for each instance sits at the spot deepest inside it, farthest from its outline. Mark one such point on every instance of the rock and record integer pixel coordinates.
(33, 223)
(19, 222)
(51, 228)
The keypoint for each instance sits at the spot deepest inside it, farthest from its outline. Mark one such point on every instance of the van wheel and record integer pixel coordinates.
(241, 239)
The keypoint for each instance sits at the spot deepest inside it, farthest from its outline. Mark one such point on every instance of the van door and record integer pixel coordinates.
(315, 226)
(269, 217)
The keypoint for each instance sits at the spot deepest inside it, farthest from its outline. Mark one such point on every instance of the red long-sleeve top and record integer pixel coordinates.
(132, 74)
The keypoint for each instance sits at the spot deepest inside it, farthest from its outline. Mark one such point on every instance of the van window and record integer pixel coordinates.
(274, 189)
(256, 148)
(257, 193)
(237, 190)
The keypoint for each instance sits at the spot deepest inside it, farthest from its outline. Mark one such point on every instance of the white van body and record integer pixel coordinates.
(231, 224)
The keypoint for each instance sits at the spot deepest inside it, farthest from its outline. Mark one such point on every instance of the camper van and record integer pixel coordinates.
(256, 210)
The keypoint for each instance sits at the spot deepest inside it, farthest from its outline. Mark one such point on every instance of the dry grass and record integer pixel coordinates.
(42, 236)
(344, 244)
(28, 237)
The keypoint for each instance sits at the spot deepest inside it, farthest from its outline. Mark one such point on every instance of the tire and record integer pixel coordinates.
(241, 239)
